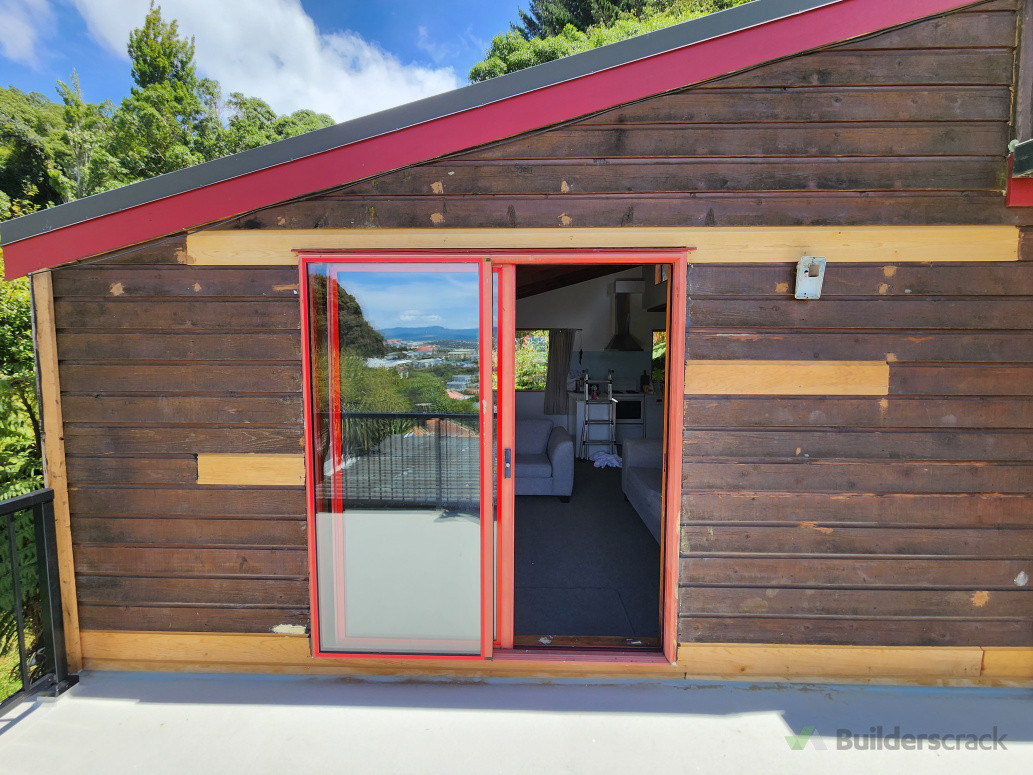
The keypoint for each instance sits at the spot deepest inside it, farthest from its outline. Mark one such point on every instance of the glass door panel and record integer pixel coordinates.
(396, 377)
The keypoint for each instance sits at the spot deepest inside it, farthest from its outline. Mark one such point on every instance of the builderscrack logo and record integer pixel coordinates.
(878, 738)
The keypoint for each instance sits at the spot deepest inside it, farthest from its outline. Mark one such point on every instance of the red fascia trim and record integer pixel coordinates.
(449, 134)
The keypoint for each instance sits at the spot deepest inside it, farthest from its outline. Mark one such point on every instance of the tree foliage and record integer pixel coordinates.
(545, 18)
(517, 49)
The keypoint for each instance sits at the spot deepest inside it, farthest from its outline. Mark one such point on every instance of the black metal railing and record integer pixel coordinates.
(407, 459)
(32, 640)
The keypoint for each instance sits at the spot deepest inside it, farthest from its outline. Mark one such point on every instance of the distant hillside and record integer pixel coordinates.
(430, 334)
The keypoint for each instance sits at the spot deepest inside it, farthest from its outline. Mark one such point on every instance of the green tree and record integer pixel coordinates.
(156, 127)
(30, 144)
(513, 50)
(87, 127)
(545, 18)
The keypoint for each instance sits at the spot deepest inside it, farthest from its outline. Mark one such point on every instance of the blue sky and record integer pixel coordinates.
(343, 58)
(416, 297)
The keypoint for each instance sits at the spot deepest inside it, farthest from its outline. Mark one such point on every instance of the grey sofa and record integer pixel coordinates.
(642, 480)
(543, 461)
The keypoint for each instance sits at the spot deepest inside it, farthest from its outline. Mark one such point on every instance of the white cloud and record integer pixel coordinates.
(273, 50)
(418, 316)
(23, 23)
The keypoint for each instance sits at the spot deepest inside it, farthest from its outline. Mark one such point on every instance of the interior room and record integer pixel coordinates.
(590, 418)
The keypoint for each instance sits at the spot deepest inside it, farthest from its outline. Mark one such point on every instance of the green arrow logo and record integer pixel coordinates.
(797, 742)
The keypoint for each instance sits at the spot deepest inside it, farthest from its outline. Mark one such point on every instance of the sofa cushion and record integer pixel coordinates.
(532, 466)
(532, 436)
(642, 486)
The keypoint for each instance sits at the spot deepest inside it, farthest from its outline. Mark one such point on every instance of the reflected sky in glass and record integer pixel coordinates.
(415, 297)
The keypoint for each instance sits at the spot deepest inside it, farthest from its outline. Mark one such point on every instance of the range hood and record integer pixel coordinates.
(622, 339)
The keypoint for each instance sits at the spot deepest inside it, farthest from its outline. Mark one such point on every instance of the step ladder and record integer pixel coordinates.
(599, 432)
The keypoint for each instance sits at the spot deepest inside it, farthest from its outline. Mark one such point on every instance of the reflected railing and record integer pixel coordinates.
(405, 460)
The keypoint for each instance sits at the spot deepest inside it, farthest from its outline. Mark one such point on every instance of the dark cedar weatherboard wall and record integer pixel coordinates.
(913, 517)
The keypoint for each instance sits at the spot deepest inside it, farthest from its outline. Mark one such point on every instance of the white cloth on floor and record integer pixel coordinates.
(604, 459)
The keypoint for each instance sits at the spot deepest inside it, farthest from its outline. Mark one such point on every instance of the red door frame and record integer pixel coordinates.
(503, 263)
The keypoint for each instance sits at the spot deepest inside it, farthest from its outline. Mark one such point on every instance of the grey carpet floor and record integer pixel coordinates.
(588, 567)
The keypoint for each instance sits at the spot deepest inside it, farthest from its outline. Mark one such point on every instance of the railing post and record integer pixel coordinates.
(16, 589)
(49, 588)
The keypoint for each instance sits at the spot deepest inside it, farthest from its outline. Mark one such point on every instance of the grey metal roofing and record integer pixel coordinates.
(466, 98)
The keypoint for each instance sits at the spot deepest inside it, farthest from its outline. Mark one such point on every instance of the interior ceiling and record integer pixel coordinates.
(532, 280)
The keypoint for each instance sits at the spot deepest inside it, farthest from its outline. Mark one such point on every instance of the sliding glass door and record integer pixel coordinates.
(398, 373)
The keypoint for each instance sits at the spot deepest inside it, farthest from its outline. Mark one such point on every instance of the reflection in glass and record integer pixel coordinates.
(395, 435)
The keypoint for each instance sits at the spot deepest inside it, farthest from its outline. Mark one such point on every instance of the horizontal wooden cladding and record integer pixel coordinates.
(115, 378)
(251, 469)
(848, 378)
(803, 444)
(185, 410)
(711, 105)
(939, 279)
(553, 176)
(710, 244)
(858, 476)
(126, 282)
(861, 138)
(199, 531)
(191, 618)
(165, 314)
(931, 411)
(882, 68)
(936, 379)
(813, 539)
(132, 470)
(976, 28)
(990, 347)
(873, 631)
(822, 508)
(111, 502)
(191, 561)
(181, 346)
(897, 313)
(975, 603)
(725, 209)
(120, 440)
(253, 652)
(170, 251)
(817, 573)
(264, 593)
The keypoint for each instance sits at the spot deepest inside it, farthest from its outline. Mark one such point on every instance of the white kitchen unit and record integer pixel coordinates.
(653, 416)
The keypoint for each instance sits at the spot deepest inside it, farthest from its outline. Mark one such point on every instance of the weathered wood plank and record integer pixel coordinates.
(181, 377)
(860, 280)
(973, 138)
(935, 411)
(929, 379)
(261, 592)
(185, 410)
(935, 313)
(854, 631)
(125, 282)
(911, 604)
(930, 346)
(209, 502)
(877, 68)
(872, 103)
(181, 346)
(843, 572)
(120, 440)
(176, 314)
(134, 470)
(554, 176)
(965, 509)
(803, 444)
(867, 476)
(807, 538)
(977, 29)
(195, 561)
(192, 619)
(203, 531)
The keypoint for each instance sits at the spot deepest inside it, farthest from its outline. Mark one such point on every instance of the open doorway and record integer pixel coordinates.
(590, 416)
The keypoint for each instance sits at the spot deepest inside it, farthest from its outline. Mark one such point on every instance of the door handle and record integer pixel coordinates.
(507, 468)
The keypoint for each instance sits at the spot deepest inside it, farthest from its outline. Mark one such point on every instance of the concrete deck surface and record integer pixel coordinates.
(176, 723)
